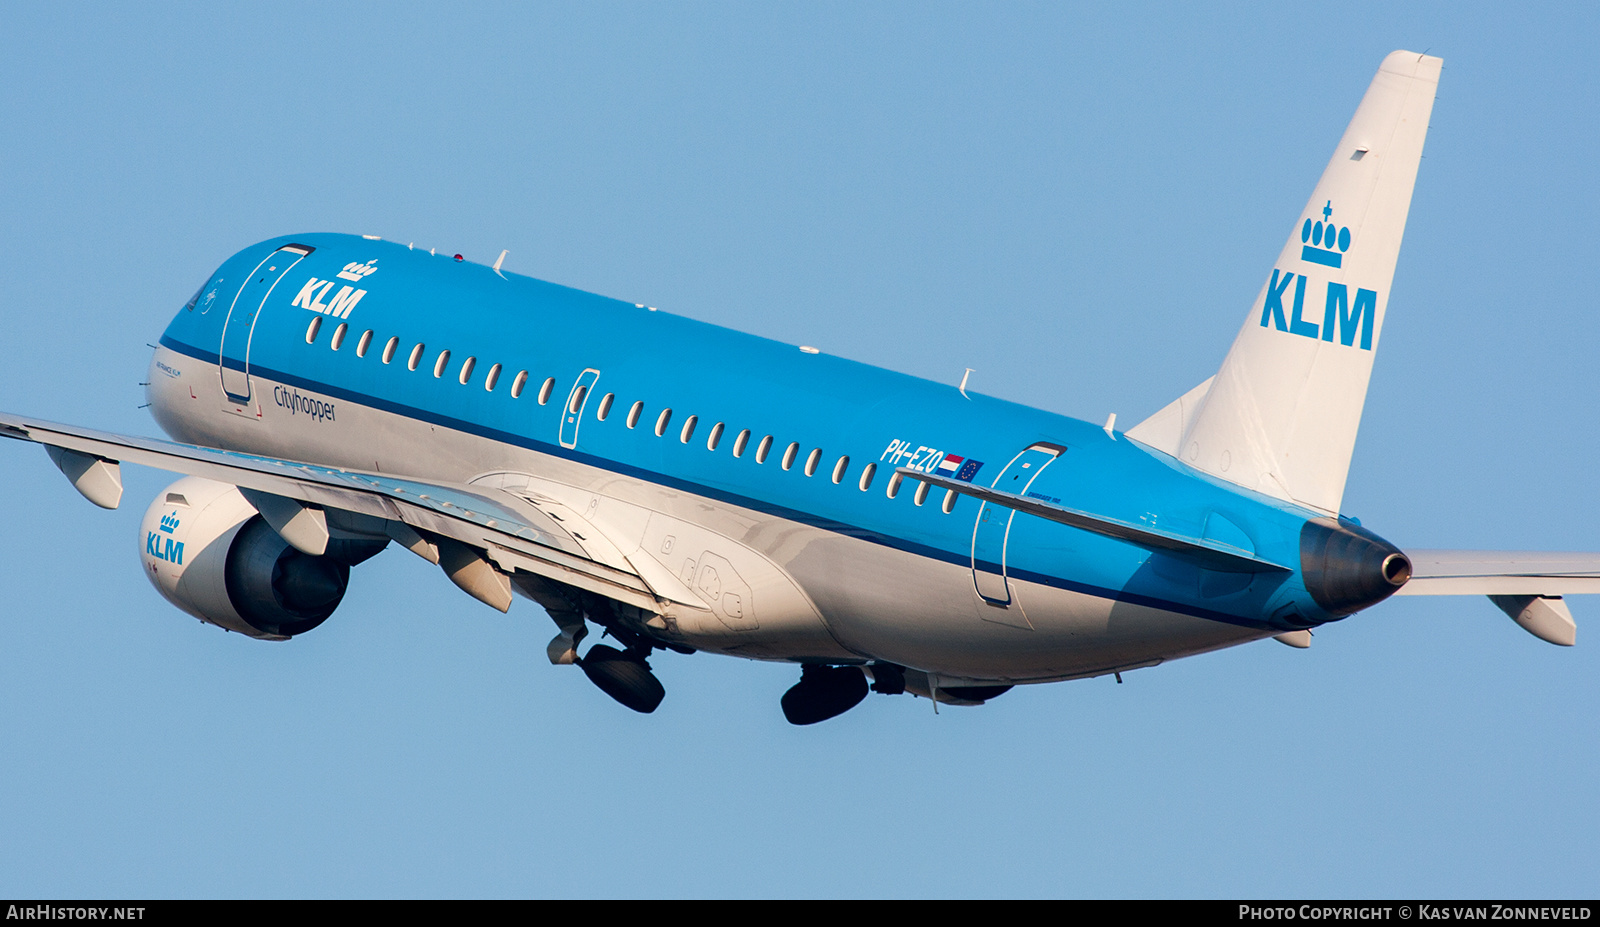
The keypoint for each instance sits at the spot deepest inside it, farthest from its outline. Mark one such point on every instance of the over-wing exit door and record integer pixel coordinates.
(992, 529)
(234, 351)
(572, 412)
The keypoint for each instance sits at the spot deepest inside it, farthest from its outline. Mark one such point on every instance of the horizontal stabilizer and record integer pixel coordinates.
(1526, 585)
(1209, 553)
(1496, 572)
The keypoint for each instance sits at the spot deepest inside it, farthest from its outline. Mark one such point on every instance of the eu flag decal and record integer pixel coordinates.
(961, 468)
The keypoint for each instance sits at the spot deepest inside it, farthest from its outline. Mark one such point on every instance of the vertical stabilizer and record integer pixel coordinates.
(1281, 414)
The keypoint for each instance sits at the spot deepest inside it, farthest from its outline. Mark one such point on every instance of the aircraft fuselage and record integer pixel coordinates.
(637, 420)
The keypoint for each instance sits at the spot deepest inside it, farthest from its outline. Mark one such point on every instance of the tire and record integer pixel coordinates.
(624, 677)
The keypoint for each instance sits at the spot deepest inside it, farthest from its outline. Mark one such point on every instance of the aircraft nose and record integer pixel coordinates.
(1347, 568)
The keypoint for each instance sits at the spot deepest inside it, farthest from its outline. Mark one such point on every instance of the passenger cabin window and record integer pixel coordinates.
(789, 454)
(441, 363)
(716, 436)
(363, 344)
(389, 349)
(416, 356)
(922, 493)
(740, 442)
(633, 414)
(949, 500)
(544, 391)
(518, 384)
(493, 378)
(894, 485)
(764, 448)
(338, 335)
(840, 468)
(867, 473)
(605, 406)
(662, 420)
(466, 370)
(311, 330)
(812, 461)
(688, 429)
(575, 404)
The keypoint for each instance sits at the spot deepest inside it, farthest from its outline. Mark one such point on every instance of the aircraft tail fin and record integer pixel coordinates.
(1281, 415)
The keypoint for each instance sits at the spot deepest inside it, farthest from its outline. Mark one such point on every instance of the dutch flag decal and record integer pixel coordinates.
(959, 468)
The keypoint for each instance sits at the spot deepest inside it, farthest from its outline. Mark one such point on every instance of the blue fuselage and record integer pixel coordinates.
(648, 397)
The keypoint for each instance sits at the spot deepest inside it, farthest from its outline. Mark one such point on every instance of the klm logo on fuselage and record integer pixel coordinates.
(314, 293)
(358, 272)
(165, 548)
(1325, 243)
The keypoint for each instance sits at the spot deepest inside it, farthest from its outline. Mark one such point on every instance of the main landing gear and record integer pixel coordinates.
(622, 674)
(625, 676)
(824, 692)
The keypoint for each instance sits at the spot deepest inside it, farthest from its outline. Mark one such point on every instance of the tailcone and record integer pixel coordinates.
(1347, 568)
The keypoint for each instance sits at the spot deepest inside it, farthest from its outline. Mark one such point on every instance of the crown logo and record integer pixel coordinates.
(359, 272)
(169, 522)
(1322, 238)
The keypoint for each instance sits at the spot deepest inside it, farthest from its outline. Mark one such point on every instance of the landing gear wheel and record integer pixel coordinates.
(824, 692)
(623, 676)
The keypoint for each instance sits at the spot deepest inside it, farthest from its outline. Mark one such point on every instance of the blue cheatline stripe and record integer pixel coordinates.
(710, 492)
(1319, 256)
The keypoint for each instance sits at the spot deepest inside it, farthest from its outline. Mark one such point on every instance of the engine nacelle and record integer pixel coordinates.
(207, 551)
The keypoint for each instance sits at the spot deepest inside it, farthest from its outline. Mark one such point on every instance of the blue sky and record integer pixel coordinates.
(1077, 202)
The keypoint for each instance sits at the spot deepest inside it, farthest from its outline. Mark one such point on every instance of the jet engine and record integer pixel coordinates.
(207, 551)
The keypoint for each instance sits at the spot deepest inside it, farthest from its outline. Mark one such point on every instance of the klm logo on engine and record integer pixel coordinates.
(165, 548)
(1347, 319)
(314, 294)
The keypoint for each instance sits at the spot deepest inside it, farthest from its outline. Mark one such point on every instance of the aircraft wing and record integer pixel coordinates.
(1213, 554)
(512, 532)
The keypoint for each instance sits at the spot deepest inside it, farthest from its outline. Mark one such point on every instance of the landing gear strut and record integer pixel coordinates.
(824, 692)
(622, 674)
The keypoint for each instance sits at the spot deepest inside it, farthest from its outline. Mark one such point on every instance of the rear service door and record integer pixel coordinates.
(993, 527)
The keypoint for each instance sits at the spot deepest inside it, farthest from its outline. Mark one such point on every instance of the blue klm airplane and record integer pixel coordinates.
(687, 487)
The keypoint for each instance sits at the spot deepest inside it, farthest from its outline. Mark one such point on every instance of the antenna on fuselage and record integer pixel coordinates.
(963, 387)
(500, 260)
